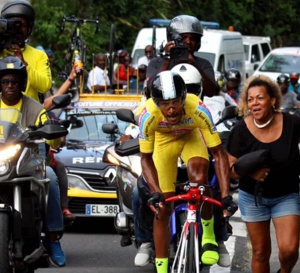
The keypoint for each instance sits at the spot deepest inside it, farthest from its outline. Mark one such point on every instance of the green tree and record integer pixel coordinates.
(277, 19)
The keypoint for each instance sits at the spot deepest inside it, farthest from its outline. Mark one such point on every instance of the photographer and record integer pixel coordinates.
(20, 16)
(184, 38)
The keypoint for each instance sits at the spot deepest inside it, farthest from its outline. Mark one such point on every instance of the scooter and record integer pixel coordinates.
(24, 189)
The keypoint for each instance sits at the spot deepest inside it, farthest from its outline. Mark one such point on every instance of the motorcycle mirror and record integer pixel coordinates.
(75, 122)
(228, 113)
(110, 128)
(60, 101)
(126, 115)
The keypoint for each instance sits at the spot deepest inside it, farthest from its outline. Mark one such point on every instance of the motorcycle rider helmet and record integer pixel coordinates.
(282, 78)
(185, 24)
(13, 65)
(19, 8)
(168, 85)
(232, 74)
(191, 76)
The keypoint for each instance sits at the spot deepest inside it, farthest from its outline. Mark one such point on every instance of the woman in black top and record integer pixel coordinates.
(270, 190)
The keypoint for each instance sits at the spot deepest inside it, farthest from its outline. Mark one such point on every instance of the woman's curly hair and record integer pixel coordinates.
(272, 88)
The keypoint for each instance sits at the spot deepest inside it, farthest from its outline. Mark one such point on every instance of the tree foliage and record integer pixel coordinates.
(277, 19)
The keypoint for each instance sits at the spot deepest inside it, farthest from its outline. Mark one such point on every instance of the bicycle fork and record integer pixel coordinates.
(186, 259)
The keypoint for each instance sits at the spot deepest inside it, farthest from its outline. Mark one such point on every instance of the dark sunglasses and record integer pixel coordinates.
(6, 82)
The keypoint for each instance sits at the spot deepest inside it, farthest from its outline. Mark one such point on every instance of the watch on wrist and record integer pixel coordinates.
(165, 55)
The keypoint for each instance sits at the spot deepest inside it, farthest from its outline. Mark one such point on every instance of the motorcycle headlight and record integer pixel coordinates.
(9, 152)
(109, 158)
(4, 167)
(5, 156)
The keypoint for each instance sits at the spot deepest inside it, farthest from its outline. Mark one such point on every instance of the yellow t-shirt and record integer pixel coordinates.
(44, 118)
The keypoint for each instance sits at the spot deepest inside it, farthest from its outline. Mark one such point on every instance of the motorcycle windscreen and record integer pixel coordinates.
(11, 128)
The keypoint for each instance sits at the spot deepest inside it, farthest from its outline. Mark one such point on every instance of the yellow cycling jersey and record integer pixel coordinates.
(153, 124)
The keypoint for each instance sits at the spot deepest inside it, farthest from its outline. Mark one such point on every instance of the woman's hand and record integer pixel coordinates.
(261, 174)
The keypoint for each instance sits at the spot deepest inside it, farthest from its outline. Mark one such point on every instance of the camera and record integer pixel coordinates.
(179, 52)
(8, 28)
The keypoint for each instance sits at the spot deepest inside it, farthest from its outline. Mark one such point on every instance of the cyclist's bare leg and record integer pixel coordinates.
(197, 168)
(161, 229)
(161, 235)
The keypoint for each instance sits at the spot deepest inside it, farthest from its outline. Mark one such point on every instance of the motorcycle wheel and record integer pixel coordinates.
(4, 243)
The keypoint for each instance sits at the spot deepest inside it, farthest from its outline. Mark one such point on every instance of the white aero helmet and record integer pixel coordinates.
(191, 76)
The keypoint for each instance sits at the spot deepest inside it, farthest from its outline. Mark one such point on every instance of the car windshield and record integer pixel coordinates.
(281, 64)
(88, 125)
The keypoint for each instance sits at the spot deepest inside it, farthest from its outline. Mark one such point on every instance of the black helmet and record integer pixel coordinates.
(19, 8)
(168, 85)
(232, 74)
(282, 78)
(13, 65)
(184, 24)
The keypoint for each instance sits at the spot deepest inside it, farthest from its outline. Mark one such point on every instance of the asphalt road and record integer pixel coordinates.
(94, 247)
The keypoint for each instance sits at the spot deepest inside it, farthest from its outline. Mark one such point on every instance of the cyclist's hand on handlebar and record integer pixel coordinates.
(229, 205)
(156, 201)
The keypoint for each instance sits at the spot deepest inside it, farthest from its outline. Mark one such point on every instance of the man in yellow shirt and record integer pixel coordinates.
(36, 61)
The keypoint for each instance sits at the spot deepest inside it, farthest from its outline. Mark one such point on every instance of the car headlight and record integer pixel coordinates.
(76, 182)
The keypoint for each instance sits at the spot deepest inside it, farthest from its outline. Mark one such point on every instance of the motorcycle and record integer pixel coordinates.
(24, 189)
(126, 157)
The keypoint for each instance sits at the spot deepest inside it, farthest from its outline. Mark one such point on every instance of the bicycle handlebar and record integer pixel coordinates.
(193, 194)
(78, 21)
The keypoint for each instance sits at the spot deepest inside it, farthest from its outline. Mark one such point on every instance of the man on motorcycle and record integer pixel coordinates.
(170, 126)
(184, 31)
(13, 79)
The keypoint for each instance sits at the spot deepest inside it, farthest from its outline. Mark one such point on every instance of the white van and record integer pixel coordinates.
(256, 49)
(222, 48)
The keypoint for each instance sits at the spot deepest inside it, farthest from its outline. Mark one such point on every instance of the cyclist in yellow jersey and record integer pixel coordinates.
(174, 124)
(36, 61)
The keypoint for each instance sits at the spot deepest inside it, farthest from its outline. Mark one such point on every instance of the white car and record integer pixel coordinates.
(284, 60)
(256, 49)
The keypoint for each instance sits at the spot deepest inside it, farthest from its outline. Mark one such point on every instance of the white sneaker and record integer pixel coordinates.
(224, 257)
(142, 257)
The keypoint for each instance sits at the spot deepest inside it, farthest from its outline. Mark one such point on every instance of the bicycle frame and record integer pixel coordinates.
(77, 45)
(186, 259)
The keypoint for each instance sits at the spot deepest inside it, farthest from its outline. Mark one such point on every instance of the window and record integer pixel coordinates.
(255, 56)
(282, 64)
(265, 49)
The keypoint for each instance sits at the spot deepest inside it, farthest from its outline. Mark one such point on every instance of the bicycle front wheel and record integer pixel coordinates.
(190, 255)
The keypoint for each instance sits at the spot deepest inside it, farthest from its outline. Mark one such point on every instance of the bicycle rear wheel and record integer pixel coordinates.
(190, 255)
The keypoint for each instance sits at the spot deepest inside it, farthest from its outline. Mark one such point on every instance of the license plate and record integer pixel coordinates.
(101, 210)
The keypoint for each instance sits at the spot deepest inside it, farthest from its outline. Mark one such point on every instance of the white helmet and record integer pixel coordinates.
(191, 76)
